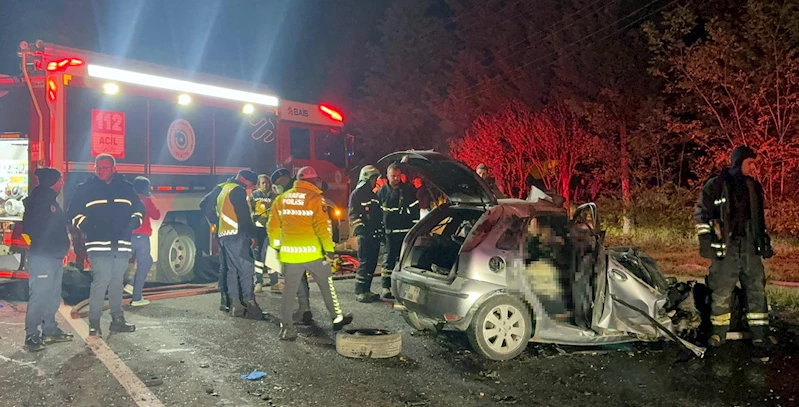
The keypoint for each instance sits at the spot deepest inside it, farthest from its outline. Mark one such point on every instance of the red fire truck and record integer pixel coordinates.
(185, 131)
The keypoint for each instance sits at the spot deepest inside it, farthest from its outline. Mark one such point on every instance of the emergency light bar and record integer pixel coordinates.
(154, 81)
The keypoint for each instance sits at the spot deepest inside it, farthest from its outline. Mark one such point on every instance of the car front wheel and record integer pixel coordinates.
(501, 328)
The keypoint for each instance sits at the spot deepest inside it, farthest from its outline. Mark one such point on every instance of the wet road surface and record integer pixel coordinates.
(190, 354)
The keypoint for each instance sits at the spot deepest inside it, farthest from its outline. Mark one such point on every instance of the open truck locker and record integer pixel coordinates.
(185, 131)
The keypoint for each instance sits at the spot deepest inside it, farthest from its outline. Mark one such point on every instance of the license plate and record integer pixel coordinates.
(412, 293)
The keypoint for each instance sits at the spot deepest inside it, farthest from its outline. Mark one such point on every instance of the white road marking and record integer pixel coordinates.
(138, 392)
(174, 350)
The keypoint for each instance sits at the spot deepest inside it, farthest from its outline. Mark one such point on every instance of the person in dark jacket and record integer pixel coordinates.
(482, 171)
(107, 209)
(366, 221)
(731, 228)
(45, 225)
(400, 212)
(141, 242)
(226, 206)
(260, 202)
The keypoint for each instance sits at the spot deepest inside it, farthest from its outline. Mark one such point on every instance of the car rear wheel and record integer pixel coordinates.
(501, 328)
(176, 253)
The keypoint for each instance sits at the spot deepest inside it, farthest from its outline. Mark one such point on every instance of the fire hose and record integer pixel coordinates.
(153, 293)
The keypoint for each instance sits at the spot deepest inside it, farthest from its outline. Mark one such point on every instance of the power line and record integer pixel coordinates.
(551, 27)
(568, 45)
(475, 10)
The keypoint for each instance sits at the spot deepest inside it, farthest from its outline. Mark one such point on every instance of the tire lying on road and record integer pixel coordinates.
(368, 343)
(501, 328)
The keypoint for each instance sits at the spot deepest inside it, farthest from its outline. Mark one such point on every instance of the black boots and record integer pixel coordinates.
(367, 297)
(119, 325)
(94, 328)
(34, 343)
(340, 322)
(58, 336)
(253, 311)
(287, 333)
(224, 303)
(306, 318)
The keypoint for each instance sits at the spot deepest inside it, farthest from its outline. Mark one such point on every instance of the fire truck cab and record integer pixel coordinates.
(184, 131)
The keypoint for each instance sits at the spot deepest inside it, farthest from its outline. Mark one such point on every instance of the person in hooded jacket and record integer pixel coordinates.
(366, 221)
(731, 228)
(141, 242)
(45, 226)
(107, 209)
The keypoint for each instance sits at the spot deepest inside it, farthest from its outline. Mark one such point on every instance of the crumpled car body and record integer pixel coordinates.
(511, 271)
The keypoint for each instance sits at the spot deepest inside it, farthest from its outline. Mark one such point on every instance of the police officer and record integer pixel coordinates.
(226, 206)
(400, 213)
(107, 209)
(366, 221)
(260, 202)
(730, 224)
(46, 226)
(300, 228)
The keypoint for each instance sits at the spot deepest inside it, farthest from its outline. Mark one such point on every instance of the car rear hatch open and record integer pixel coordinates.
(459, 183)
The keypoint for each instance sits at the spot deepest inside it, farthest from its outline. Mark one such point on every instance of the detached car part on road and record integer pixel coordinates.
(511, 271)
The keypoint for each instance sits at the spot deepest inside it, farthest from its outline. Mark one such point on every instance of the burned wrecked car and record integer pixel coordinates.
(511, 271)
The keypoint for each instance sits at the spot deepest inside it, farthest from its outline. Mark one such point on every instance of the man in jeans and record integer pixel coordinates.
(107, 209)
(46, 227)
(141, 242)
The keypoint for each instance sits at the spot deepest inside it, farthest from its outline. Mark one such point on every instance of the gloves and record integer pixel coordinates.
(705, 248)
(765, 250)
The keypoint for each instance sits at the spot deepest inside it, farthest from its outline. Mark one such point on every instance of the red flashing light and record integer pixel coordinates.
(51, 89)
(63, 64)
(163, 188)
(333, 114)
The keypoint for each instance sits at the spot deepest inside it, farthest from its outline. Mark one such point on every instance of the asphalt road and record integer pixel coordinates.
(191, 354)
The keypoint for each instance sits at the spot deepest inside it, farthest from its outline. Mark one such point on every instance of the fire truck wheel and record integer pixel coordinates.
(368, 343)
(176, 253)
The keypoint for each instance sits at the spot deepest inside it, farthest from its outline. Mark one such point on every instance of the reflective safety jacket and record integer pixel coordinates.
(226, 208)
(366, 215)
(713, 214)
(400, 207)
(107, 213)
(260, 202)
(299, 226)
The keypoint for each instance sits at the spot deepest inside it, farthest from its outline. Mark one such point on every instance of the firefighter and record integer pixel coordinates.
(366, 221)
(141, 242)
(300, 229)
(482, 171)
(45, 225)
(107, 209)
(400, 212)
(731, 228)
(226, 206)
(260, 202)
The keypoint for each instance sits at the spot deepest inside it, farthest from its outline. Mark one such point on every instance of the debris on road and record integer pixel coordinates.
(254, 375)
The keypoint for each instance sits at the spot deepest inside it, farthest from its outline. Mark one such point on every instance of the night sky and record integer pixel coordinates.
(312, 51)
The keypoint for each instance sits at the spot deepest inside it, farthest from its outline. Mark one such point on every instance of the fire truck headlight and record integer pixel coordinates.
(248, 108)
(184, 99)
(111, 88)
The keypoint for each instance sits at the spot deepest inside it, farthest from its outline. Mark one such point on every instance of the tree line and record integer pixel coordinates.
(640, 101)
